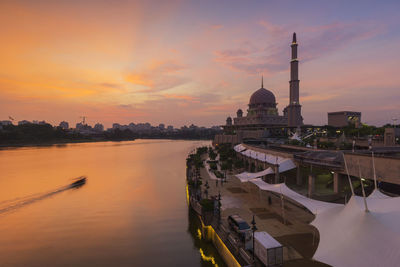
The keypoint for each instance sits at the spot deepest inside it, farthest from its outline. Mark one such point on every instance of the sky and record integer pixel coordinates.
(183, 62)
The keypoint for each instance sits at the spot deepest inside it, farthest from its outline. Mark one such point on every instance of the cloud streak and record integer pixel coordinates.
(158, 76)
(273, 57)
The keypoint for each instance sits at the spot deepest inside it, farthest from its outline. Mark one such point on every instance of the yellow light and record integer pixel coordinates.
(226, 251)
(187, 194)
(208, 258)
(199, 233)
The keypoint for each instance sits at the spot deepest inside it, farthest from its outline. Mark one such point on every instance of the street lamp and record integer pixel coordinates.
(254, 229)
(207, 187)
(219, 208)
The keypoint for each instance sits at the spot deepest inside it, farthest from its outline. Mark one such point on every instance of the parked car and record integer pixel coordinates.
(237, 224)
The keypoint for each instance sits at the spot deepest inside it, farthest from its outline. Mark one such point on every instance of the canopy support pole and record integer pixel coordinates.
(348, 175)
(362, 187)
(373, 166)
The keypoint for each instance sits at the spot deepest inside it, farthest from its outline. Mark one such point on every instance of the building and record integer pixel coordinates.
(64, 125)
(344, 118)
(262, 119)
(6, 122)
(98, 127)
(23, 122)
(39, 122)
(293, 110)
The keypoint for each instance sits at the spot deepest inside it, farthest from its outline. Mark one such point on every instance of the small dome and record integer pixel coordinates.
(229, 121)
(239, 113)
(262, 96)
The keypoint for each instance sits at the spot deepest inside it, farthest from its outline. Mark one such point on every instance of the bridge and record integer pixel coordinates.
(386, 163)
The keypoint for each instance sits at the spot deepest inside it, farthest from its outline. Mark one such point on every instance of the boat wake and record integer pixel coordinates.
(16, 203)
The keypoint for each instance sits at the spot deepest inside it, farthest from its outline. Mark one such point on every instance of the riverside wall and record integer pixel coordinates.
(210, 234)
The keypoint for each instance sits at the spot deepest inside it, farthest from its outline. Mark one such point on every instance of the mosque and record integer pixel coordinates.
(262, 119)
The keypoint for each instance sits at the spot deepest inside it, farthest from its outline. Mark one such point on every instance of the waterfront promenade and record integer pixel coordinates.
(288, 223)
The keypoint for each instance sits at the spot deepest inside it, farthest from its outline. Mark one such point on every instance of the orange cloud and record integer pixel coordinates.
(184, 97)
(158, 76)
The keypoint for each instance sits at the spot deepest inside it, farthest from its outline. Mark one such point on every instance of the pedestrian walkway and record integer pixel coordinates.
(289, 223)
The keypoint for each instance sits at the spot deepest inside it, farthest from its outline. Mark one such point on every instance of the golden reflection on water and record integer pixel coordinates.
(132, 205)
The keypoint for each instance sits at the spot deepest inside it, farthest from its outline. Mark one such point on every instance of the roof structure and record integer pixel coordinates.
(349, 236)
(315, 206)
(262, 96)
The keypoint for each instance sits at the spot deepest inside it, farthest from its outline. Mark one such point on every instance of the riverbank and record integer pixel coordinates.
(65, 142)
(57, 142)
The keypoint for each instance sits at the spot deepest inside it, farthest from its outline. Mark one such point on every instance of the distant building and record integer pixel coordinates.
(344, 118)
(64, 125)
(391, 136)
(161, 126)
(98, 127)
(39, 122)
(23, 122)
(170, 128)
(3, 123)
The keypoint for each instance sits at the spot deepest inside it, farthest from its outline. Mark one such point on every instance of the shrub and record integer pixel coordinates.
(207, 204)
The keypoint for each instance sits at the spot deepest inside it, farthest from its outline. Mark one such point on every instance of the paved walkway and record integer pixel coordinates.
(290, 226)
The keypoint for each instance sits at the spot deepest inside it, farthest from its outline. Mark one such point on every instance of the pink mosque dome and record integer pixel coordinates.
(262, 96)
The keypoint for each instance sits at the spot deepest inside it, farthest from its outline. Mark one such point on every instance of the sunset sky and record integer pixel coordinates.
(183, 62)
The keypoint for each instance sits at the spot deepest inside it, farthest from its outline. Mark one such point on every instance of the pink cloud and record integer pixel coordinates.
(273, 57)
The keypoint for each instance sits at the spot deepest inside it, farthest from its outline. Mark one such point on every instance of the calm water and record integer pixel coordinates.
(131, 212)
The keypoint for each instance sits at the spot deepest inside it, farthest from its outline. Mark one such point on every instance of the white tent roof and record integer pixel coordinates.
(349, 236)
(246, 153)
(271, 159)
(295, 136)
(239, 148)
(286, 165)
(315, 206)
(246, 176)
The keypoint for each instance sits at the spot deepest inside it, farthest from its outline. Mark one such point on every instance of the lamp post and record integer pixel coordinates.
(206, 190)
(219, 208)
(254, 229)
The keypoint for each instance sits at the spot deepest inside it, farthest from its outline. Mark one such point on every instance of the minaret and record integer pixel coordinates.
(294, 108)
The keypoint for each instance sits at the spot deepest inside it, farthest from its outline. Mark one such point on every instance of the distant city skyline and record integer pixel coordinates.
(184, 62)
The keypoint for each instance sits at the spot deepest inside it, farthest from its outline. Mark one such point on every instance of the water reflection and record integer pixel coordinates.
(132, 211)
(209, 255)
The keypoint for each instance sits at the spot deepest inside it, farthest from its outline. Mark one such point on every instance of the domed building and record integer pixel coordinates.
(262, 116)
(262, 109)
(262, 119)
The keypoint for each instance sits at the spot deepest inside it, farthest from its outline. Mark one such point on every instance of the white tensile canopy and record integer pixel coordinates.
(246, 176)
(295, 136)
(286, 165)
(239, 148)
(315, 206)
(271, 159)
(349, 236)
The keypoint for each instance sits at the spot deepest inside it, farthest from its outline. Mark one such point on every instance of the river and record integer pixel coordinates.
(131, 212)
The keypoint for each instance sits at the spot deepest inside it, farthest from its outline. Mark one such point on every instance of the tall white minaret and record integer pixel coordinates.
(294, 108)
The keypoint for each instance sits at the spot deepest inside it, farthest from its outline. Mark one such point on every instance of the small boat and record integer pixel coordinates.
(79, 181)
